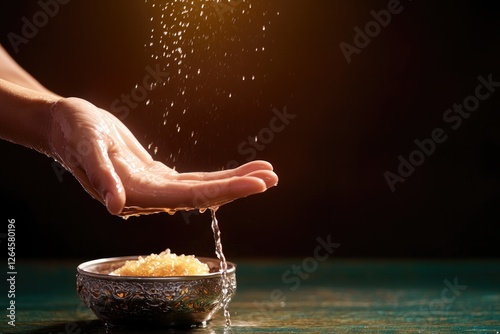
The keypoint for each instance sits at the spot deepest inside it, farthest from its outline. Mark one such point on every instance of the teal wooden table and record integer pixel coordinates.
(295, 296)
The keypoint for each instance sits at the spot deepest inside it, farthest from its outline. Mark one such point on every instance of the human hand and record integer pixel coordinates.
(115, 169)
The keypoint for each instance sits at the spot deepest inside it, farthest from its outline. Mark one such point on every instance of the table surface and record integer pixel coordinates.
(296, 296)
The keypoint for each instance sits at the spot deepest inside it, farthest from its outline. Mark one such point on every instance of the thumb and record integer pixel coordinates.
(114, 195)
(104, 179)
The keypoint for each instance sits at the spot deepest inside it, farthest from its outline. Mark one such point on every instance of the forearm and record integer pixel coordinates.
(13, 72)
(25, 116)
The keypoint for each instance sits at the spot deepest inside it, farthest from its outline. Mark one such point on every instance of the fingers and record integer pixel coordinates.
(215, 193)
(104, 179)
(243, 170)
(255, 165)
(157, 189)
(269, 177)
(176, 194)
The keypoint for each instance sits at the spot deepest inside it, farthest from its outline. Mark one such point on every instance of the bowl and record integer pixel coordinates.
(153, 301)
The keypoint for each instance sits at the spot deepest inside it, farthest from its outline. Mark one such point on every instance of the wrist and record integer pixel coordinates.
(25, 116)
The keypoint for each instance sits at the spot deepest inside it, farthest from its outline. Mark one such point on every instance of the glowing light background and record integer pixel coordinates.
(353, 121)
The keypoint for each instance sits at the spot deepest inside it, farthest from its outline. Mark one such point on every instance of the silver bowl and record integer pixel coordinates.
(152, 301)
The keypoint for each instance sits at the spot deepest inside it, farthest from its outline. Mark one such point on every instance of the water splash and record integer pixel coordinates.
(226, 297)
(205, 46)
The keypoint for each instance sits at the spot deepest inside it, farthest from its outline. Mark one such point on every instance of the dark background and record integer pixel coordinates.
(352, 122)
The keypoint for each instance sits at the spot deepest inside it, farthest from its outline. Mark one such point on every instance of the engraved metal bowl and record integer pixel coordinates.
(152, 301)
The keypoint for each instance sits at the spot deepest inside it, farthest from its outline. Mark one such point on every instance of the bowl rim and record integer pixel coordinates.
(81, 269)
